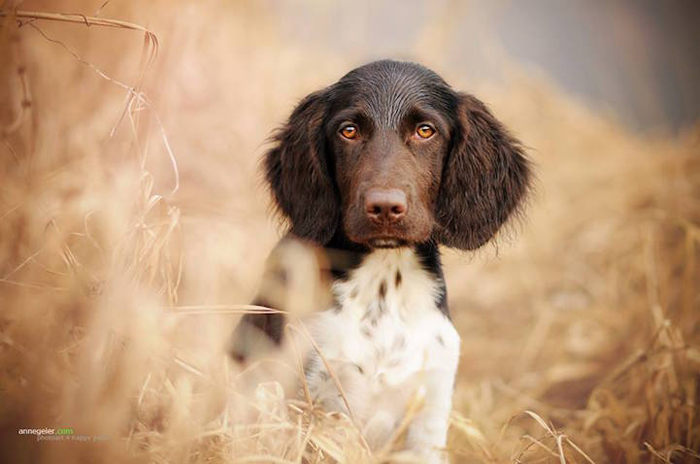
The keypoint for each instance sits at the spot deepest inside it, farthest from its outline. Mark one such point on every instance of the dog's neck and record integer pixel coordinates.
(343, 257)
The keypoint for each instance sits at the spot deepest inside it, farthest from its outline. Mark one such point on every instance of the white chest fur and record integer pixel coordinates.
(386, 341)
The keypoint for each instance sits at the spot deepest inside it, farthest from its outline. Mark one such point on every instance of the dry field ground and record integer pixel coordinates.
(134, 228)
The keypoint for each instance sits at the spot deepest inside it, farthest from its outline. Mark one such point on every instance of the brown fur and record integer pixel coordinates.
(461, 184)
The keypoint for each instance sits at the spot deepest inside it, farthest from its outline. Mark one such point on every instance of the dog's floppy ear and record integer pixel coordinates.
(485, 177)
(297, 171)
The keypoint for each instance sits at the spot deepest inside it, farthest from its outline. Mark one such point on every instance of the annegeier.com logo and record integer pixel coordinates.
(64, 431)
(60, 434)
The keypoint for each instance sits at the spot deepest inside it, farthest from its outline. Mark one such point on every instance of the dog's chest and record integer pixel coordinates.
(383, 335)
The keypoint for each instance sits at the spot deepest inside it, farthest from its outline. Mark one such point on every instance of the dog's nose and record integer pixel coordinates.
(385, 205)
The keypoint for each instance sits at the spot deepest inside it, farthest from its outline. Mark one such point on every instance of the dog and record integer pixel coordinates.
(379, 170)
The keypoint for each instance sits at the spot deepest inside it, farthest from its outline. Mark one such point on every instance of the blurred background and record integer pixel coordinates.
(134, 225)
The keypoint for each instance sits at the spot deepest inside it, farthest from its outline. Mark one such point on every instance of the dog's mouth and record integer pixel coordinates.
(386, 242)
(403, 233)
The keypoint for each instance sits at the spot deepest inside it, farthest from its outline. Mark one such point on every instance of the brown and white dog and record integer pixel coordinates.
(380, 169)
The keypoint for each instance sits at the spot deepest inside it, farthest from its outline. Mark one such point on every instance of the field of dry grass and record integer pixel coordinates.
(133, 231)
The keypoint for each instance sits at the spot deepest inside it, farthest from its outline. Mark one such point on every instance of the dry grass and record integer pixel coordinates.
(133, 231)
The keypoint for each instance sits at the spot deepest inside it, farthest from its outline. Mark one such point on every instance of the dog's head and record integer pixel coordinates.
(391, 156)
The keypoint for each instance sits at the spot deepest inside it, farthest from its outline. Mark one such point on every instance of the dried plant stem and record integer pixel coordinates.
(149, 54)
(74, 18)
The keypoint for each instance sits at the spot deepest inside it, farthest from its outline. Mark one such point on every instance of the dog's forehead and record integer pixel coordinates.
(387, 90)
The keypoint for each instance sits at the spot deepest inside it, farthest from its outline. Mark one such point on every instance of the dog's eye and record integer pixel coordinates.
(424, 131)
(349, 131)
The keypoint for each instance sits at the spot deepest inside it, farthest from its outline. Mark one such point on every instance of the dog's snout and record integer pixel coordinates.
(385, 205)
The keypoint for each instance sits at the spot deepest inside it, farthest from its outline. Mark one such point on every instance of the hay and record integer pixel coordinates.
(580, 336)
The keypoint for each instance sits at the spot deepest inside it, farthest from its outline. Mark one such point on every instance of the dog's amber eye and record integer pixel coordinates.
(424, 131)
(349, 131)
